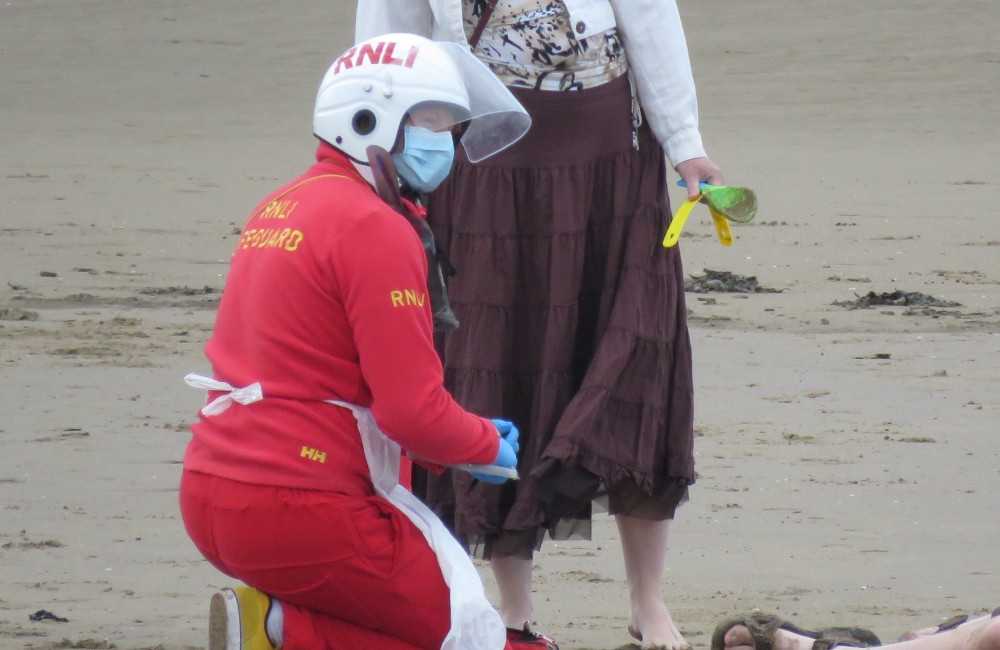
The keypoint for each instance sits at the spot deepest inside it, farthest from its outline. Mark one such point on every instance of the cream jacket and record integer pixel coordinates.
(654, 43)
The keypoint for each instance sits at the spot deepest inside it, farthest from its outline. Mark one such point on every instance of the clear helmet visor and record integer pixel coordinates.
(496, 119)
(437, 116)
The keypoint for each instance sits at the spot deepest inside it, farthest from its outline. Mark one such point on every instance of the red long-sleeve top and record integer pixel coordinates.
(327, 299)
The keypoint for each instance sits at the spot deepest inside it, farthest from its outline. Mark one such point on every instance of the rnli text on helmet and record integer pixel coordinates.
(383, 53)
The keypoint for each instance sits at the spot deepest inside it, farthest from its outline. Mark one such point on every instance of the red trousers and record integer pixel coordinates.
(350, 572)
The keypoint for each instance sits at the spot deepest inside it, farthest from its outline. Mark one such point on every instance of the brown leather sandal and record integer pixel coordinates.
(762, 628)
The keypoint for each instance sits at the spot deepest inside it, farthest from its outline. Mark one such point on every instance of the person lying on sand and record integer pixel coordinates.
(759, 631)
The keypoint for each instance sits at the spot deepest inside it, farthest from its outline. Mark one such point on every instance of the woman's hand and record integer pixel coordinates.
(696, 171)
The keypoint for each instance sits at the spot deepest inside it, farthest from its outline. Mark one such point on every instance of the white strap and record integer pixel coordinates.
(247, 395)
(474, 622)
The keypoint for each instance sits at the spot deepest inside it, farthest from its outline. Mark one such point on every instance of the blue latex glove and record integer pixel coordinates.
(508, 432)
(507, 454)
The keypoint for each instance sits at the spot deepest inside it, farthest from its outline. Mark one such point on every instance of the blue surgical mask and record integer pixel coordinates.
(426, 158)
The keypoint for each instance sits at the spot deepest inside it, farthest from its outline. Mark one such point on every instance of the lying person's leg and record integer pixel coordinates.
(950, 624)
(981, 633)
(763, 632)
(759, 631)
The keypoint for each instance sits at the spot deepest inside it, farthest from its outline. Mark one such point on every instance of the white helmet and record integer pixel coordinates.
(369, 90)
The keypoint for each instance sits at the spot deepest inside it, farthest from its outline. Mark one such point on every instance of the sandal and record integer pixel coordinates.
(950, 624)
(763, 626)
(527, 639)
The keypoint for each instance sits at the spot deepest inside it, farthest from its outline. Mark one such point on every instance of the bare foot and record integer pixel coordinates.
(950, 624)
(656, 630)
(982, 637)
(977, 634)
(739, 638)
(916, 634)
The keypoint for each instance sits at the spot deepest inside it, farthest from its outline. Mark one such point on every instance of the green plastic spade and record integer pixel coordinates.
(725, 202)
(737, 204)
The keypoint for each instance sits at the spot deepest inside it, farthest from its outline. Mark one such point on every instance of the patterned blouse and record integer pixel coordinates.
(530, 44)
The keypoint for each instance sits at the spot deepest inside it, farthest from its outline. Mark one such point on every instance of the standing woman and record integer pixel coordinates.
(573, 322)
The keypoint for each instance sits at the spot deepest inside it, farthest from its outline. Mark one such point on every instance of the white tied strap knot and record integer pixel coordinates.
(247, 395)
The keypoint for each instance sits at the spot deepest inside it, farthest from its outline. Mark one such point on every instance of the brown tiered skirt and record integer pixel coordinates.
(573, 324)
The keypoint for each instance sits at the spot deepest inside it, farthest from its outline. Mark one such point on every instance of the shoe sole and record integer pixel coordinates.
(224, 621)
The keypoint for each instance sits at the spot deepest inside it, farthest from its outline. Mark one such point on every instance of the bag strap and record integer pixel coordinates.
(481, 25)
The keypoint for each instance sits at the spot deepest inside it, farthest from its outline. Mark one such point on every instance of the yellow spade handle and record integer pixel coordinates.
(722, 227)
(677, 223)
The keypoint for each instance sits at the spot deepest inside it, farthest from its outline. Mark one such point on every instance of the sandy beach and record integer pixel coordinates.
(848, 458)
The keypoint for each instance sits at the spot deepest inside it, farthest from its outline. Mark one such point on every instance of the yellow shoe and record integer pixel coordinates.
(236, 620)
